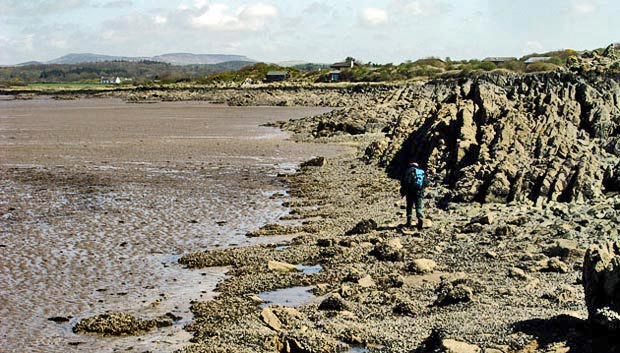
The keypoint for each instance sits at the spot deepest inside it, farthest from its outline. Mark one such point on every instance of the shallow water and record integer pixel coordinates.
(289, 297)
(98, 199)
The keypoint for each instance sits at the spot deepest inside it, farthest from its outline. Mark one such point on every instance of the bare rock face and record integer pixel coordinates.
(601, 282)
(503, 137)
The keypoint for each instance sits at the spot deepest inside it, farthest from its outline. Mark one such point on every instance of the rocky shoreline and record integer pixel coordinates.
(524, 175)
(502, 278)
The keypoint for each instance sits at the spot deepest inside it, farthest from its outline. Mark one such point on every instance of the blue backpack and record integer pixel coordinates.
(415, 178)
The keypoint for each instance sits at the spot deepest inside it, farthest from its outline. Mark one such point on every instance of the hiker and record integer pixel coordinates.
(412, 187)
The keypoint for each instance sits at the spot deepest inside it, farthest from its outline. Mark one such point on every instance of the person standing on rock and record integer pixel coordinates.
(412, 188)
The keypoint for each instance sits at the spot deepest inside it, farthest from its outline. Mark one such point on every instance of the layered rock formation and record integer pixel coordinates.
(501, 137)
(504, 137)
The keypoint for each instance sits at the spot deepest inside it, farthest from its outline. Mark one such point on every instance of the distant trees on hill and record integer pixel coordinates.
(240, 72)
(137, 72)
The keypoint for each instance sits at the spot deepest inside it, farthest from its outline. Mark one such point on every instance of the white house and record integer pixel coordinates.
(110, 80)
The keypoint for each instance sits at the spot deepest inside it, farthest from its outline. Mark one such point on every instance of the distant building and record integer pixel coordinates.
(616, 46)
(110, 80)
(535, 59)
(334, 76)
(499, 59)
(273, 76)
(347, 64)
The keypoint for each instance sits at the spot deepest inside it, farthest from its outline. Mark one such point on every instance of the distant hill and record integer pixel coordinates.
(30, 63)
(171, 58)
(78, 58)
(198, 59)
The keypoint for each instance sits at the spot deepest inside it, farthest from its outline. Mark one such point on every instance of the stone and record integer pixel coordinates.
(366, 282)
(393, 280)
(395, 243)
(517, 273)
(491, 254)
(363, 227)
(422, 266)
(565, 249)
(334, 303)
(459, 293)
(494, 350)
(601, 282)
(345, 291)
(119, 324)
(486, 219)
(556, 265)
(504, 231)
(391, 250)
(270, 318)
(256, 299)
(281, 266)
(325, 242)
(405, 308)
(315, 162)
(454, 346)
(472, 228)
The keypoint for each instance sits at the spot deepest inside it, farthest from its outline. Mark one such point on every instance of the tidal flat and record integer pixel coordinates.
(99, 199)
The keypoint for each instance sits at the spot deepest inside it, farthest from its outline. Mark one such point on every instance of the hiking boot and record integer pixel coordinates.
(420, 224)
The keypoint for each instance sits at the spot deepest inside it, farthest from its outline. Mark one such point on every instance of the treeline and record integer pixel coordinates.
(135, 72)
(370, 72)
(431, 67)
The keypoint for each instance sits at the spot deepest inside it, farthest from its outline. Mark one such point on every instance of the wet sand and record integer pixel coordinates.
(100, 198)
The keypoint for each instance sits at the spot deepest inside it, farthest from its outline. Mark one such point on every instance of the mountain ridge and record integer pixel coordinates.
(170, 58)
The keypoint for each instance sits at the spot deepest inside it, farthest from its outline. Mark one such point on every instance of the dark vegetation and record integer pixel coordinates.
(132, 72)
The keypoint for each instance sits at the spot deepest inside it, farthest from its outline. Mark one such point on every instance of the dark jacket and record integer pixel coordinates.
(406, 185)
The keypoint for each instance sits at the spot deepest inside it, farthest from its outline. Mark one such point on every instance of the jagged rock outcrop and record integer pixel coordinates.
(601, 282)
(501, 137)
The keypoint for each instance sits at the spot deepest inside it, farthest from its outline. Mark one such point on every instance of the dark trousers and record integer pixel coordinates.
(414, 197)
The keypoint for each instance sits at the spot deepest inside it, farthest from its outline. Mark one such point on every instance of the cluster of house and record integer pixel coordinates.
(110, 80)
(333, 75)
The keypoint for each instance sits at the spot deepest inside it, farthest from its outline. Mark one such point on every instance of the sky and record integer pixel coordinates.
(388, 31)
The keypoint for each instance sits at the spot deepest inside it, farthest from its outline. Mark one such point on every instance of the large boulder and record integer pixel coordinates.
(601, 282)
(391, 250)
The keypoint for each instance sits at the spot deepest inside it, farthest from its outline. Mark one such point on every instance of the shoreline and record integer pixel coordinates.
(384, 303)
(493, 282)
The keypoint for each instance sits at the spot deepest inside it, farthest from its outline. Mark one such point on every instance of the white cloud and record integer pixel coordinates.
(583, 7)
(220, 17)
(373, 17)
(160, 20)
(423, 8)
